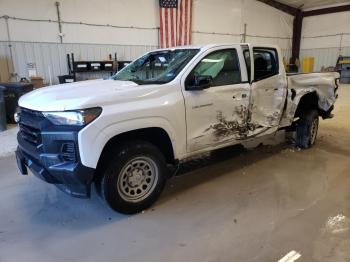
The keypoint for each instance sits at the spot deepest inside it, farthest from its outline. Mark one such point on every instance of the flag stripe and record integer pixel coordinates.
(181, 23)
(177, 24)
(172, 29)
(186, 16)
(190, 29)
(166, 28)
(161, 27)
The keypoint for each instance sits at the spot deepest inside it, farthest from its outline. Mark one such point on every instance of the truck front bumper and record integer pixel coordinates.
(64, 175)
(52, 154)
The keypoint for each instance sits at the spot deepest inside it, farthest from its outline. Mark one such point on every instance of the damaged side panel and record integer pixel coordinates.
(230, 113)
(267, 101)
(236, 128)
(218, 115)
(323, 84)
(254, 110)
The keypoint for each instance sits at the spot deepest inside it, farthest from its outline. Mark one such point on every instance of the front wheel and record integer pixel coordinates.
(135, 177)
(307, 127)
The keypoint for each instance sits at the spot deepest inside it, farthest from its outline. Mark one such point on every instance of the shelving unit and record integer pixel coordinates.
(111, 66)
(343, 67)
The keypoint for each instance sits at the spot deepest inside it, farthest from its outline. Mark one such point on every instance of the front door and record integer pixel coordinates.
(268, 91)
(217, 115)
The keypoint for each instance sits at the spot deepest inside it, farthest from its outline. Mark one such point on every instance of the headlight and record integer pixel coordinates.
(73, 118)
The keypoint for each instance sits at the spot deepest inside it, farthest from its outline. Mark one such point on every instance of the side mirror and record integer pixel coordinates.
(199, 83)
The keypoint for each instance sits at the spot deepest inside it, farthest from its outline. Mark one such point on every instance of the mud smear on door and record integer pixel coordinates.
(235, 128)
(226, 128)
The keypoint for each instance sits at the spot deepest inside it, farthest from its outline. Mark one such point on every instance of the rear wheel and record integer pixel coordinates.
(135, 177)
(307, 128)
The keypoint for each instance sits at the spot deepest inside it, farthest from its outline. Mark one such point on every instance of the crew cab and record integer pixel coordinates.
(123, 133)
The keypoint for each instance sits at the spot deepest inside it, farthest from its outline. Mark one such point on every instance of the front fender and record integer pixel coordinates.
(92, 139)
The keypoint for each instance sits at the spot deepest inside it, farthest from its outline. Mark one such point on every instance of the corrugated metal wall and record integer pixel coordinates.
(50, 58)
(287, 53)
(325, 56)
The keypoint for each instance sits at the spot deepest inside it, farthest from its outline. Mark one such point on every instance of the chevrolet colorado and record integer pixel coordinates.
(122, 133)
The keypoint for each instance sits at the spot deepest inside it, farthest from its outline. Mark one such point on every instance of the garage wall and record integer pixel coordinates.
(138, 13)
(50, 58)
(227, 18)
(86, 30)
(325, 37)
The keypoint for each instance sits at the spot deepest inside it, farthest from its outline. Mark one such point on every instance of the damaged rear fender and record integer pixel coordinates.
(307, 91)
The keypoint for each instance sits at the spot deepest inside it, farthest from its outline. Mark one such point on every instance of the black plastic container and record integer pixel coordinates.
(81, 66)
(2, 109)
(66, 79)
(122, 64)
(95, 66)
(12, 93)
(107, 65)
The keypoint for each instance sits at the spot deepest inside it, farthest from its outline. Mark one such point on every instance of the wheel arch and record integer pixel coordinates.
(312, 100)
(307, 102)
(157, 136)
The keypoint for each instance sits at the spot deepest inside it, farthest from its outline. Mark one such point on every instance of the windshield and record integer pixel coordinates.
(158, 67)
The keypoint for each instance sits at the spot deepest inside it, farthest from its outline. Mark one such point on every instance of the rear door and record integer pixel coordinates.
(268, 90)
(217, 115)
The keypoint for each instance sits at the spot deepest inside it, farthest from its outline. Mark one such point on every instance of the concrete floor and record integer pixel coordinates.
(248, 206)
(8, 140)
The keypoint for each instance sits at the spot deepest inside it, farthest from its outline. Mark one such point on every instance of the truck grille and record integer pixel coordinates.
(30, 134)
(68, 152)
(29, 126)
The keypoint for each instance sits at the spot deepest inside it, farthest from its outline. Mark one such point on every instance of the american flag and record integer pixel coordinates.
(175, 22)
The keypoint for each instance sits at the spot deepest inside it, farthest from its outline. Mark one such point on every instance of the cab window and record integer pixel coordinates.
(222, 66)
(265, 63)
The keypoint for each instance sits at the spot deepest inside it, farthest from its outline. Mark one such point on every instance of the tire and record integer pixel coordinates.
(135, 177)
(306, 130)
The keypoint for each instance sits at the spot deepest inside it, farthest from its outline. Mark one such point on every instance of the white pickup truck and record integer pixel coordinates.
(123, 133)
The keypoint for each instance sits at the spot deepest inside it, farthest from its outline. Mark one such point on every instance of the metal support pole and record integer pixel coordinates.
(10, 67)
(59, 21)
(158, 29)
(341, 44)
(297, 26)
(244, 34)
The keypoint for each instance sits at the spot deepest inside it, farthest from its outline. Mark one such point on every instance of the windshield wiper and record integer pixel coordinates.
(148, 82)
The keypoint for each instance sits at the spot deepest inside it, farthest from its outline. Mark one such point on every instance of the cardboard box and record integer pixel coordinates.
(37, 81)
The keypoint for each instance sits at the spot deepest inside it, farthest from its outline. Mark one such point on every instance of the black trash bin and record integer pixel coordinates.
(2, 109)
(13, 91)
(66, 79)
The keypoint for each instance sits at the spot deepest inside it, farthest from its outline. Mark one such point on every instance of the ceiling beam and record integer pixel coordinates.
(280, 6)
(329, 10)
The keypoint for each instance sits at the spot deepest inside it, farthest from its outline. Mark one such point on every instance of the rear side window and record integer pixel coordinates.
(222, 66)
(265, 63)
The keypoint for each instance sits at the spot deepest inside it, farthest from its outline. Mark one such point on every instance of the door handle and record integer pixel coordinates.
(243, 96)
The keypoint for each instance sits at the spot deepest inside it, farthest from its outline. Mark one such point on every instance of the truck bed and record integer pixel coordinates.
(324, 84)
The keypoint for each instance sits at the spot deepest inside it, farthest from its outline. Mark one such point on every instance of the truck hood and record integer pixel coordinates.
(80, 95)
